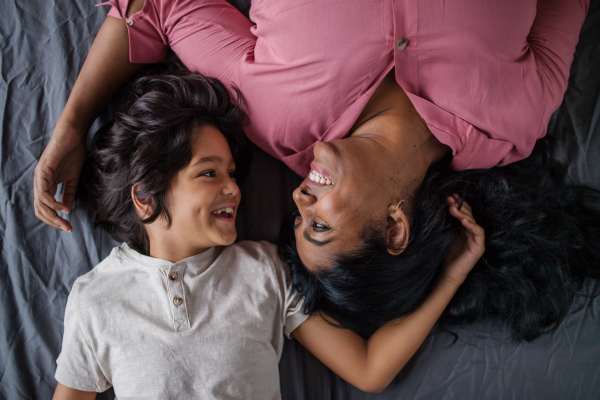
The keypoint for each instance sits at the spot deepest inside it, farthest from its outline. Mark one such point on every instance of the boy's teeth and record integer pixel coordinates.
(317, 177)
(227, 210)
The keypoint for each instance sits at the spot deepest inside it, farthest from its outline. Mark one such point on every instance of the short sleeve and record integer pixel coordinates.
(208, 36)
(147, 40)
(77, 364)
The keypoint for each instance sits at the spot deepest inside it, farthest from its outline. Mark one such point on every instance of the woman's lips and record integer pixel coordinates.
(318, 177)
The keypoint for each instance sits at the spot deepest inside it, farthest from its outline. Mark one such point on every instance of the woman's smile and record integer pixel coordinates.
(318, 177)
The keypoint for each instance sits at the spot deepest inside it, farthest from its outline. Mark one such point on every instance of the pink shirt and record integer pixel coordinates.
(484, 75)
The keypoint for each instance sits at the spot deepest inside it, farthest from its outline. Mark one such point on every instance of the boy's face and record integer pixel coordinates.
(202, 201)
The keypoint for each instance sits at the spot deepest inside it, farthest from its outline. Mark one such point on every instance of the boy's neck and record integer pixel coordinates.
(172, 250)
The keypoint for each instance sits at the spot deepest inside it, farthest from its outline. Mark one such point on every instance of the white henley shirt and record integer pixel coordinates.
(207, 327)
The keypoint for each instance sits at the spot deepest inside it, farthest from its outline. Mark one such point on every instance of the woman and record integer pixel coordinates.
(362, 99)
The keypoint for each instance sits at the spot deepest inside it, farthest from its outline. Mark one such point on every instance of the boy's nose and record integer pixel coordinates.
(230, 188)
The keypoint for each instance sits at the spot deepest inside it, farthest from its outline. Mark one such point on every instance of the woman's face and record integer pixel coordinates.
(364, 177)
(333, 214)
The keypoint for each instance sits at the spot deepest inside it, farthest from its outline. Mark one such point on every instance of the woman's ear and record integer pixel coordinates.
(143, 206)
(397, 230)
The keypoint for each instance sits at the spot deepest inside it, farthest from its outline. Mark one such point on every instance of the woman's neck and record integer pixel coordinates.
(393, 120)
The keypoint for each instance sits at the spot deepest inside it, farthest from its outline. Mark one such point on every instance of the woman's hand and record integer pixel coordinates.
(61, 162)
(470, 246)
(105, 70)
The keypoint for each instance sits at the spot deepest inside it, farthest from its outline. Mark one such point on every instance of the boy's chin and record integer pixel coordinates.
(227, 238)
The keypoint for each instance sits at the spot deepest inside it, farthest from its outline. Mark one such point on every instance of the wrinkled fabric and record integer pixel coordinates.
(43, 45)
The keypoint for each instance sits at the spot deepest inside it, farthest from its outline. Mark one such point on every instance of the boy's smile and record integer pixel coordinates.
(202, 201)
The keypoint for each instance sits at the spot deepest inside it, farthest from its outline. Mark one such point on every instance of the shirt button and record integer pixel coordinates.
(177, 301)
(401, 44)
(129, 22)
(173, 276)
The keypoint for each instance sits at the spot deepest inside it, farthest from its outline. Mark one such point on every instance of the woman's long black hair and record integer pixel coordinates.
(542, 240)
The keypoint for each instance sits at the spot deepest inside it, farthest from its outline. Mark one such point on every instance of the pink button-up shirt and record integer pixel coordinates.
(484, 75)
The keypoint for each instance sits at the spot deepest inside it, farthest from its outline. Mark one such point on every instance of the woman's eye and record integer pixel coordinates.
(319, 227)
(297, 218)
(210, 174)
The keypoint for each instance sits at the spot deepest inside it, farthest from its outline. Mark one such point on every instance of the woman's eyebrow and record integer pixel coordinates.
(215, 159)
(314, 241)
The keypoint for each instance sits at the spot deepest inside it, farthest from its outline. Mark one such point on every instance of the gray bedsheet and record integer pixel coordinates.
(43, 45)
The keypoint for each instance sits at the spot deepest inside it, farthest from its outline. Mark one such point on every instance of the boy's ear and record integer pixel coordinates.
(397, 230)
(143, 206)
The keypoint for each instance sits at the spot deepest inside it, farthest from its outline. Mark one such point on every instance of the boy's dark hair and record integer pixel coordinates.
(149, 142)
(542, 237)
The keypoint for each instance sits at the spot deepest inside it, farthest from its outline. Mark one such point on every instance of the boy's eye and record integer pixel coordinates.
(232, 174)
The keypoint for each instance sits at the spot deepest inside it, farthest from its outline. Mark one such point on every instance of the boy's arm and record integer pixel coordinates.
(105, 70)
(66, 393)
(371, 365)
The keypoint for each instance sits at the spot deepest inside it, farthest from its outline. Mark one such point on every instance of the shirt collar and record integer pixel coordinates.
(203, 259)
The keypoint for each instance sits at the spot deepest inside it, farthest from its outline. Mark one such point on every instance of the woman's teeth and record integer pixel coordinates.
(318, 178)
(227, 210)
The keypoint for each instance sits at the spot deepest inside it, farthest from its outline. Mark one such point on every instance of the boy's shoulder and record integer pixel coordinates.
(262, 257)
(106, 274)
(253, 249)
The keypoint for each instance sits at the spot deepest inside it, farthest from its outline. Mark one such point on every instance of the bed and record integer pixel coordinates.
(43, 46)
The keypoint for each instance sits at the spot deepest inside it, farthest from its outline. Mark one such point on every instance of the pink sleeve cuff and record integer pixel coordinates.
(147, 42)
(481, 151)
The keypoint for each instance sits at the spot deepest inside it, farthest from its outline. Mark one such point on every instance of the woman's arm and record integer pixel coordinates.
(371, 365)
(553, 38)
(63, 392)
(105, 70)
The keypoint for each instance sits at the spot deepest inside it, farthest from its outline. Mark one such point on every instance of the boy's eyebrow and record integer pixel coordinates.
(215, 159)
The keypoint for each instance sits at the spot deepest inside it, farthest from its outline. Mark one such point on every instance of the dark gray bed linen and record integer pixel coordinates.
(43, 45)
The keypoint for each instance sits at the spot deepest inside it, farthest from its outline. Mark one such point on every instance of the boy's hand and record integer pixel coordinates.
(469, 248)
(61, 162)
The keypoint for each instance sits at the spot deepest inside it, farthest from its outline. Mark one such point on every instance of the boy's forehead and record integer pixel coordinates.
(209, 145)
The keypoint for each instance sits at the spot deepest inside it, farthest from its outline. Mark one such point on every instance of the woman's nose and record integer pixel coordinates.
(303, 198)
